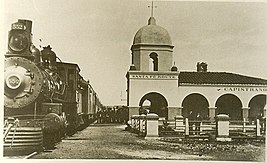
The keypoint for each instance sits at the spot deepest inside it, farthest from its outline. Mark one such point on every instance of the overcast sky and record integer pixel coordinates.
(98, 34)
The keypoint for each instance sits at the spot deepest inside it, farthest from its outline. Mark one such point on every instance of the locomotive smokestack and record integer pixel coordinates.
(27, 23)
(20, 39)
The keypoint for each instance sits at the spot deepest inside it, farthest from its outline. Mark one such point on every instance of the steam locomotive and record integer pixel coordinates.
(44, 98)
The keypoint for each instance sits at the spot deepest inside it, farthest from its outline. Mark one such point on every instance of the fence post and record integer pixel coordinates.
(258, 128)
(201, 127)
(152, 125)
(222, 127)
(186, 127)
(263, 130)
(244, 125)
(134, 121)
(179, 121)
(138, 123)
(141, 122)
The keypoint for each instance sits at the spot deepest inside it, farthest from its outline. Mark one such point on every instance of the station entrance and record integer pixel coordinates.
(256, 105)
(196, 103)
(158, 104)
(231, 105)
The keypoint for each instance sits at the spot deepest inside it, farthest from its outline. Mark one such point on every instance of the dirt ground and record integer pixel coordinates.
(102, 141)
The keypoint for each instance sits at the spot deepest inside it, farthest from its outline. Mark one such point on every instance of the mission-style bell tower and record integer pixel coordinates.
(152, 75)
(152, 48)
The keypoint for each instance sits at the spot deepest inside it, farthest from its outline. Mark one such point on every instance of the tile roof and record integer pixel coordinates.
(218, 78)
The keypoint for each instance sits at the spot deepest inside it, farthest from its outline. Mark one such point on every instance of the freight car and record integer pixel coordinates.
(44, 98)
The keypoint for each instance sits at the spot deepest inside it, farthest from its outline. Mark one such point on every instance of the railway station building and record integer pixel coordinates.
(154, 83)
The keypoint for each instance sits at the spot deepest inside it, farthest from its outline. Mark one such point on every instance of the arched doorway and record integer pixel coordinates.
(196, 103)
(229, 104)
(158, 104)
(257, 104)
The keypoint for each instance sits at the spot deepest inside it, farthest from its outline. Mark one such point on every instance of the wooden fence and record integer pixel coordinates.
(205, 129)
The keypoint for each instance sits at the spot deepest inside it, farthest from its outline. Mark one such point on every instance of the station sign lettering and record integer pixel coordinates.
(242, 89)
(154, 77)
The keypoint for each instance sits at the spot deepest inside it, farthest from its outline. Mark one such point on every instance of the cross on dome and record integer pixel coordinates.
(152, 8)
(152, 20)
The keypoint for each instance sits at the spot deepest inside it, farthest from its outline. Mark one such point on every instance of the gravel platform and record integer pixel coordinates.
(111, 141)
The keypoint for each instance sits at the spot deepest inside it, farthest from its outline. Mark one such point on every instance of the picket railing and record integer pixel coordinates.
(205, 128)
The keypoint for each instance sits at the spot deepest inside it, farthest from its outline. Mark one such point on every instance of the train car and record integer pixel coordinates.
(90, 103)
(44, 99)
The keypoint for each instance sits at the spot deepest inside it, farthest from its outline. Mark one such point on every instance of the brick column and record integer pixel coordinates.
(172, 112)
(245, 112)
(212, 112)
(180, 110)
(152, 125)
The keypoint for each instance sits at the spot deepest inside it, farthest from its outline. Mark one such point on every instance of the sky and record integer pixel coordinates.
(98, 34)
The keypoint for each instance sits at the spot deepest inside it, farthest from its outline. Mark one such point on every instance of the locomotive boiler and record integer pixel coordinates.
(43, 99)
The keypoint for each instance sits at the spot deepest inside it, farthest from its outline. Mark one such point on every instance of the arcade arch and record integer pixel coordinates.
(229, 104)
(257, 104)
(196, 103)
(158, 104)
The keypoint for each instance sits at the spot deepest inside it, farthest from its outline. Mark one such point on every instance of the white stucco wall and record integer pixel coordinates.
(167, 87)
(175, 94)
(212, 93)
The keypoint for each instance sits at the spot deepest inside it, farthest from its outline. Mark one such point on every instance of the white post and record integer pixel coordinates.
(179, 122)
(258, 128)
(186, 127)
(201, 127)
(244, 125)
(222, 127)
(152, 125)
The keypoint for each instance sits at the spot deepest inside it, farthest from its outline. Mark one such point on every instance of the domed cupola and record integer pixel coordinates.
(152, 34)
(152, 48)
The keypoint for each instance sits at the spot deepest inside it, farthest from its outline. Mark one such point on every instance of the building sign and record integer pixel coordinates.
(154, 77)
(242, 89)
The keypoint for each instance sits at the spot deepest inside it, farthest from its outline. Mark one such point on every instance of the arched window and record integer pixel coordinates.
(153, 62)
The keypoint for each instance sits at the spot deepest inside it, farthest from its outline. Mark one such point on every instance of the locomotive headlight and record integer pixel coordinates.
(13, 81)
(18, 42)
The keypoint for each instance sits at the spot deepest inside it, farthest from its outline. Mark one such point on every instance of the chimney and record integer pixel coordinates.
(202, 67)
